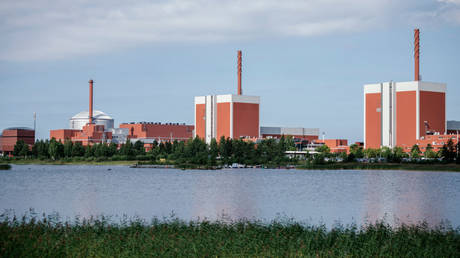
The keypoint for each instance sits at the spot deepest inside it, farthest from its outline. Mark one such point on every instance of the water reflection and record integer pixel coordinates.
(307, 196)
(225, 197)
(408, 198)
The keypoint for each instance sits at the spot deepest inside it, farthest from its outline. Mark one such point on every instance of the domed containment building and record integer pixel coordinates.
(99, 118)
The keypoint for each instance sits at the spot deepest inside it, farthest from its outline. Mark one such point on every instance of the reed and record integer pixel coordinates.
(32, 237)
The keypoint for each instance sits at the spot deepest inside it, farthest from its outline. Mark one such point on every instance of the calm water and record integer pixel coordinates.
(306, 196)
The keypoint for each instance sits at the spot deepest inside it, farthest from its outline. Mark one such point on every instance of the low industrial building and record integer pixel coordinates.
(299, 133)
(453, 127)
(148, 132)
(89, 135)
(11, 135)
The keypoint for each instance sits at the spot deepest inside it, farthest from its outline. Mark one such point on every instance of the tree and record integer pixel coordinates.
(56, 149)
(25, 150)
(213, 152)
(323, 149)
(112, 149)
(429, 153)
(18, 147)
(357, 151)
(450, 150)
(139, 148)
(78, 150)
(415, 152)
(225, 149)
(398, 154)
(68, 148)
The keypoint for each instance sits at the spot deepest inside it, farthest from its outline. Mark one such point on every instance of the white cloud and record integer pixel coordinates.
(51, 29)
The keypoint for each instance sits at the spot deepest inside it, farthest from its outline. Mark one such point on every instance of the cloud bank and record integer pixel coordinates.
(51, 29)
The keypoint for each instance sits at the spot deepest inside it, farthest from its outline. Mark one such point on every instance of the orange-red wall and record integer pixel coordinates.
(200, 125)
(159, 131)
(223, 120)
(245, 120)
(406, 115)
(373, 120)
(10, 137)
(433, 110)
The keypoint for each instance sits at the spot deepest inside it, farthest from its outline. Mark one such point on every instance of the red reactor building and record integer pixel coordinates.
(234, 116)
(401, 113)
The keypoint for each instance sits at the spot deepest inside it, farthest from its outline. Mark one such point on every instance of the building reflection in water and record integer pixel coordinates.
(405, 198)
(225, 197)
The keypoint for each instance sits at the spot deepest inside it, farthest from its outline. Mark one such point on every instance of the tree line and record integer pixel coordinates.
(448, 153)
(226, 151)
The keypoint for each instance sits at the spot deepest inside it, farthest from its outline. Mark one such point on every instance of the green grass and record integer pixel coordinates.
(72, 162)
(385, 166)
(172, 238)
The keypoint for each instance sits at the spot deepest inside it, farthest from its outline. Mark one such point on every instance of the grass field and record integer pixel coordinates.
(100, 238)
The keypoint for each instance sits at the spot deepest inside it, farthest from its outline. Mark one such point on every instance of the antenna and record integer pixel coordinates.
(35, 123)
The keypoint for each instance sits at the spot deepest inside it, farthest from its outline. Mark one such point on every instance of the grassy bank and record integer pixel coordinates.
(67, 162)
(98, 238)
(385, 166)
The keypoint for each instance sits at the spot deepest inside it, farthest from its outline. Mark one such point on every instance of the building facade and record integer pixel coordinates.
(160, 132)
(308, 134)
(233, 116)
(400, 113)
(89, 135)
(11, 135)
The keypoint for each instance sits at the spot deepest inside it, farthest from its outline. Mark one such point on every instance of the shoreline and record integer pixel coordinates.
(451, 167)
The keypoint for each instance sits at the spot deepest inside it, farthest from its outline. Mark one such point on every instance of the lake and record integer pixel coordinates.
(326, 196)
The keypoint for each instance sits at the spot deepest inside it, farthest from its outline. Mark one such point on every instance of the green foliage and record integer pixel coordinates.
(55, 149)
(415, 152)
(323, 149)
(18, 148)
(46, 237)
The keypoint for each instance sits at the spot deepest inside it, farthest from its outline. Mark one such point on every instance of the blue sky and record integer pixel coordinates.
(307, 60)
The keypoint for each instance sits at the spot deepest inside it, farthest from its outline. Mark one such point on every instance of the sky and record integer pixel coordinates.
(307, 60)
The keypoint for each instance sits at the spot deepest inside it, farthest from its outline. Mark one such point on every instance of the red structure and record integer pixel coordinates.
(89, 135)
(416, 54)
(297, 133)
(11, 135)
(436, 142)
(335, 145)
(240, 90)
(158, 131)
(397, 113)
(90, 101)
(234, 116)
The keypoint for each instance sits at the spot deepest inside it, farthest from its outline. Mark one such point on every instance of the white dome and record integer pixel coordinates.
(99, 118)
(96, 115)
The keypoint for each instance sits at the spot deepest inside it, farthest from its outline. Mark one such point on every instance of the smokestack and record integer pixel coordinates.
(417, 54)
(90, 101)
(240, 90)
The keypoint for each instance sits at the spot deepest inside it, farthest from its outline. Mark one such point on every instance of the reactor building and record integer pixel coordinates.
(233, 116)
(401, 113)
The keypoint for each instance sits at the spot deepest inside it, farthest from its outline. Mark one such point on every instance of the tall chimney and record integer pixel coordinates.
(240, 90)
(417, 54)
(90, 101)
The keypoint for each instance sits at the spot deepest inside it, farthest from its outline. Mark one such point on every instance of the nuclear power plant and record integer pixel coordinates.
(396, 114)
(406, 113)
